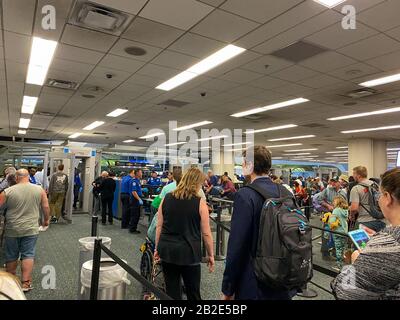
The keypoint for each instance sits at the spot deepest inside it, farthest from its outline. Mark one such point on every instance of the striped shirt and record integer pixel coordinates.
(375, 275)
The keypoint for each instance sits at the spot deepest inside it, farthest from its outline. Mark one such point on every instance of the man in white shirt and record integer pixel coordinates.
(39, 176)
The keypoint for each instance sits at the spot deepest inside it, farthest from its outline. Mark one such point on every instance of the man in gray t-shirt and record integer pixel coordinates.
(359, 199)
(58, 188)
(24, 201)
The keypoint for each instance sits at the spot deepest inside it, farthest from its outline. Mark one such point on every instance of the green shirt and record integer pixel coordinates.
(342, 215)
(23, 203)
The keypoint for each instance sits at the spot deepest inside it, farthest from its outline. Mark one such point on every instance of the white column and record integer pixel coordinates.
(369, 153)
(219, 167)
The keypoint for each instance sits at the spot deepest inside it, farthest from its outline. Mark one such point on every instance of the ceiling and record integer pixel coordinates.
(178, 33)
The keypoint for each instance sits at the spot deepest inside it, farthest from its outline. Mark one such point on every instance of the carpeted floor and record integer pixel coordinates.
(58, 247)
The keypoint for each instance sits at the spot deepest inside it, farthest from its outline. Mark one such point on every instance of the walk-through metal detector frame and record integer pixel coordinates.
(49, 158)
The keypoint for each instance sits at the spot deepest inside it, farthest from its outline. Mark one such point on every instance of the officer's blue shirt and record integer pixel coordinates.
(154, 182)
(126, 184)
(32, 179)
(239, 278)
(214, 181)
(135, 186)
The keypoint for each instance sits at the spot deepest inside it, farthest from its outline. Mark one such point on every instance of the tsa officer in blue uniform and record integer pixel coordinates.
(136, 201)
(154, 181)
(125, 198)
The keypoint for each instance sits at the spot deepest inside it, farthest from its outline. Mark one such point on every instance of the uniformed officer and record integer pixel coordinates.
(154, 181)
(136, 201)
(125, 198)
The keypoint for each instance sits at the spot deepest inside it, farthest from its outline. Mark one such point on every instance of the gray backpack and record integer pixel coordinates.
(373, 200)
(284, 250)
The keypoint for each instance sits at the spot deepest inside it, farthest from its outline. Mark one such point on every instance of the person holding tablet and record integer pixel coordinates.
(375, 273)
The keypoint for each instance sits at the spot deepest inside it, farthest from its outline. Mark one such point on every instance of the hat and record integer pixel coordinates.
(344, 178)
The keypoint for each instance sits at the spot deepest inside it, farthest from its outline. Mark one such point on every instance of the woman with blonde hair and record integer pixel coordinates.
(182, 219)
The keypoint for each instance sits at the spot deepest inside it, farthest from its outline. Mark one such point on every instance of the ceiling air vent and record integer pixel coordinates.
(100, 133)
(62, 84)
(361, 93)
(98, 17)
(173, 103)
(126, 123)
(313, 125)
(299, 51)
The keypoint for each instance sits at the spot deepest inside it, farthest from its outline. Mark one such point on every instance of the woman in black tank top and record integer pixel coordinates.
(182, 220)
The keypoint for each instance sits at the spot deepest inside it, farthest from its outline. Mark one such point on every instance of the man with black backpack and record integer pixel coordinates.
(364, 198)
(265, 223)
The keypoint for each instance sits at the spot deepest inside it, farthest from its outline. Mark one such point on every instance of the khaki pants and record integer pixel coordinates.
(56, 203)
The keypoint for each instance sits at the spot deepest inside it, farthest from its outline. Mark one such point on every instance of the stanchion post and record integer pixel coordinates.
(94, 225)
(218, 253)
(94, 284)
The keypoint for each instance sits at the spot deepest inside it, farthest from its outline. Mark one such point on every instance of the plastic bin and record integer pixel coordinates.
(112, 280)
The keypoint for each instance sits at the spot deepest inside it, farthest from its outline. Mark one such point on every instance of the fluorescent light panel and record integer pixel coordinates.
(42, 53)
(29, 104)
(93, 125)
(286, 126)
(212, 61)
(301, 150)
(346, 147)
(393, 149)
(293, 138)
(330, 3)
(236, 144)
(194, 125)
(21, 131)
(75, 135)
(157, 134)
(381, 81)
(336, 152)
(128, 141)
(212, 138)
(270, 107)
(372, 129)
(174, 144)
(366, 114)
(285, 145)
(117, 112)
(297, 154)
(24, 123)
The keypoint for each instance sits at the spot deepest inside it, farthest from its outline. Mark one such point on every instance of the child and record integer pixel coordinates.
(338, 222)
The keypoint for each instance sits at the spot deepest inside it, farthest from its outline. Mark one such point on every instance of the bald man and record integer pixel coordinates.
(24, 201)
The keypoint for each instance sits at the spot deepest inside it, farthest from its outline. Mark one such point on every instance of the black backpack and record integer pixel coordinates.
(283, 258)
(373, 201)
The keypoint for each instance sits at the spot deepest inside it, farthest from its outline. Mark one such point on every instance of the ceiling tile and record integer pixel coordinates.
(384, 16)
(354, 71)
(174, 60)
(320, 81)
(294, 73)
(268, 83)
(196, 46)
(87, 39)
(267, 64)
(327, 61)
(143, 80)
(241, 76)
(360, 5)
(259, 10)
(16, 71)
(371, 47)
(152, 33)
(17, 47)
(72, 53)
(119, 50)
(18, 16)
(117, 75)
(158, 72)
(224, 26)
(128, 6)
(182, 14)
(214, 3)
(120, 63)
(71, 66)
(395, 33)
(335, 36)
(386, 62)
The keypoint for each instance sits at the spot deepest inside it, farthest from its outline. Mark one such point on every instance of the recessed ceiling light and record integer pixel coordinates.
(270, 107)
(24, 123)
(212, 138)
(381, 81)
(372, 129)
(157, 134)
(117, 112)
(93, 125)
(174, 144)
(75, 135)
(330, 3)
(194, 125)
(21, 131)
(287, 126)
(29, 104)
(128, 141)
(135, 51)
(301, 150)
(212, 61)
(285, 145)
(293, 138)
(42, 53)
(366, 114)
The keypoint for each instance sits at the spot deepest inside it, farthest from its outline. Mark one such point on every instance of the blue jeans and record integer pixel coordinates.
(23, 247)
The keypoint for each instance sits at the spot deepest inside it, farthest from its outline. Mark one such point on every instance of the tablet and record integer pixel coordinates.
(359, 238)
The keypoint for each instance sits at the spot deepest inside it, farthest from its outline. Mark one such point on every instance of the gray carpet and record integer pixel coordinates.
(58, 247)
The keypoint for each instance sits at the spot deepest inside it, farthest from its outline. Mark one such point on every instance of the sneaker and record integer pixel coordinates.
(54, 220)
(27, 286)
(42, 229)
(336, 268)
